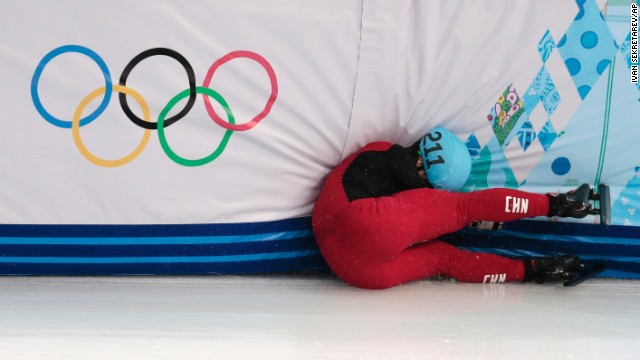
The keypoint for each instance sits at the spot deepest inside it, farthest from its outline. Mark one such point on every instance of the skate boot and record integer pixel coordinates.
(558, 268)
(574, 203)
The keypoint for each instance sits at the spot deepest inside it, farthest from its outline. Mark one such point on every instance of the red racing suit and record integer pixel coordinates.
(377, 222)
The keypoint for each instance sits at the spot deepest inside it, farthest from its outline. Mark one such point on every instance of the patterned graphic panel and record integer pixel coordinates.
(580, 125)
(587, 47)
(505, 113)
(625, 208)
(566, 139)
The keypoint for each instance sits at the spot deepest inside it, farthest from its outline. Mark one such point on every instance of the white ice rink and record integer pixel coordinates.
(313, 317)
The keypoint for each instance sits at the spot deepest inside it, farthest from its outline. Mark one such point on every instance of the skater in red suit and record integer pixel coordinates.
(378, 218)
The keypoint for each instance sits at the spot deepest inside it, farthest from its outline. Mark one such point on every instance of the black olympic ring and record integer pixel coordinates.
(192, 87)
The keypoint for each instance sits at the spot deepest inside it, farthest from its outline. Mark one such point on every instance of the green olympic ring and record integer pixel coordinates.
(163, 139)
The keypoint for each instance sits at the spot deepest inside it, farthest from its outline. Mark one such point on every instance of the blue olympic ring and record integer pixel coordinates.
(36, 79)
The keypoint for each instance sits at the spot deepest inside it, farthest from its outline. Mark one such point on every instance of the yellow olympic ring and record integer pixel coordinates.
(75, 127)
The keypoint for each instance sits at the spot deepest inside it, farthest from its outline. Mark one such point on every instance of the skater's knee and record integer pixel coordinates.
(372, 277)
(373, 282)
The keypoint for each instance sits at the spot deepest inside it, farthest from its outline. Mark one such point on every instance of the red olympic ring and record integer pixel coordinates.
(267, 107)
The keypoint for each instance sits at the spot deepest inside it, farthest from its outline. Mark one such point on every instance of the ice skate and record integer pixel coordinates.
(553, 269)
(577, 203)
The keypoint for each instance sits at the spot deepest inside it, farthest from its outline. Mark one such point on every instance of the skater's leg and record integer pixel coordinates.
(428, 260)
(491, 205)
(386, 226)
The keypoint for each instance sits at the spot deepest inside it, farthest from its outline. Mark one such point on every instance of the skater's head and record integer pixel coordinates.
(445, 159)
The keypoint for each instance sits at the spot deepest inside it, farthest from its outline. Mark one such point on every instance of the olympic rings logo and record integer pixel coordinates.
(162, 122)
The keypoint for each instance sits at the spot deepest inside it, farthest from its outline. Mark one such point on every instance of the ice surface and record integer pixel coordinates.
(313, 317)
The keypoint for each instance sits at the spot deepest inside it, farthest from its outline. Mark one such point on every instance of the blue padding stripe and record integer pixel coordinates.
(158, 260)
(153, 230)
(580, 246)
(102, 250)
(155, 240)
(263, 247)
(313, 263)
(573, 229)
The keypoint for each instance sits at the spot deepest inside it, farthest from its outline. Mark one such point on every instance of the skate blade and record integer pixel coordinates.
(584, 275)
(604, 204)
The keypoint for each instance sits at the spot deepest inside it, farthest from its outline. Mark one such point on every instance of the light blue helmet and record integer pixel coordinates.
(446, 159)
